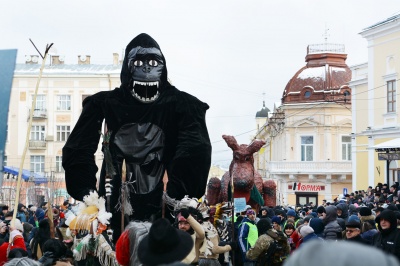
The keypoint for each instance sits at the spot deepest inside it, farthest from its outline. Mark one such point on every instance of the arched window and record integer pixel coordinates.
(346, 93)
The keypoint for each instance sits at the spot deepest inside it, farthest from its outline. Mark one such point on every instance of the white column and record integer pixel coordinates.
(371, 164)
(328, 191)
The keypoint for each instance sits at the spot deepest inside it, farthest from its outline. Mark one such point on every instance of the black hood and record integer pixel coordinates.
(146, 41)
(390, 216)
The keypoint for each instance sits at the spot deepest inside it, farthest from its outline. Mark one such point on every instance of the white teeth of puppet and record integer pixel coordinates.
(157, 84)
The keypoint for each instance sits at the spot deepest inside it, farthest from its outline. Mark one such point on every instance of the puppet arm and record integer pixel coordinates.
(78, 152)
(188, 170)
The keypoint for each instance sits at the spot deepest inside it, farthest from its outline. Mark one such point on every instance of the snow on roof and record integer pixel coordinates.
(27, 69)
(394, 143)
(313, 72)
(338, 69)
(390, 19)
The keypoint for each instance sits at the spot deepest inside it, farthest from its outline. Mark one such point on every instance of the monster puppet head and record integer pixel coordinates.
(144, 69)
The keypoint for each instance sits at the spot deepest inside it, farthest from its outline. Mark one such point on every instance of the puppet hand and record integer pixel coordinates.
(185, 213)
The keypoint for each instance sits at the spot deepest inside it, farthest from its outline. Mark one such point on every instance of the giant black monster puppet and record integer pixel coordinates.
(152, 125)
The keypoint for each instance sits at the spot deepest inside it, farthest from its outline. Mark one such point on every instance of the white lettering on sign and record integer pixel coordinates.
(306, 187)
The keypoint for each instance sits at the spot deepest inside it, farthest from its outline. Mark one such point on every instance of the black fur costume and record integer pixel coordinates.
(168, 133)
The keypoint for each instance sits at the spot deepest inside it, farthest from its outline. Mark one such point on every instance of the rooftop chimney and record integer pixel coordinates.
(31, 59)
(57, 60)
(83, 59)
(115, 59)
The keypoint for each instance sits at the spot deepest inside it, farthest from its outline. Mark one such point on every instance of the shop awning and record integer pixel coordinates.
(38, 179)
(390, 145)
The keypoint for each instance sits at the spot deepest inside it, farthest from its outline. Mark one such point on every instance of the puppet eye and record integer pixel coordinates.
(153, 63)
(138, 63)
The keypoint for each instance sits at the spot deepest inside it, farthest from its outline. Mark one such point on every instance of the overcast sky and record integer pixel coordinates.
(226, 53)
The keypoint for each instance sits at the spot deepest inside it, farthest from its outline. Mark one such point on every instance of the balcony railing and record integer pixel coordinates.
(39, 114)
(37, 144)
(336, 167)
(325, 47)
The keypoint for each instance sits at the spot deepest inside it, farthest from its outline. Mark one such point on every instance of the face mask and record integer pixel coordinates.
(146, 66)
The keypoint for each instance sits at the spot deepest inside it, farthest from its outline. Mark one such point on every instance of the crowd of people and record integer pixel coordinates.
(277, 235)
(199, 234)
(31, 239)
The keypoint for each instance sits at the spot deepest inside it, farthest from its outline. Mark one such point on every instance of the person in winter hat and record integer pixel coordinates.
(387, 238)
(21, 212)
(333, 230)
(321, 211)
(266, 236)
(318, 226)
(248, 234)
(307, 234)
(16, 240)
(353, 230)
(276, 223)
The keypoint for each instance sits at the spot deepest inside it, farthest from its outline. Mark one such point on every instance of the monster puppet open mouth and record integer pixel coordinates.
(146, 91)
(146, 66)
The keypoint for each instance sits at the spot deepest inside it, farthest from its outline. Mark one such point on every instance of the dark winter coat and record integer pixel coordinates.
(389, 239)
(332, 229)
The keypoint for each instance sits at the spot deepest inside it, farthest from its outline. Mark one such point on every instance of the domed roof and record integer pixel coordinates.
(263, 112)
(324, 78)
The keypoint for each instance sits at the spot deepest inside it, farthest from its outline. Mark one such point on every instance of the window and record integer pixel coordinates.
(304, 198)
(63, 102)
(346, 148)
(37, 163)
(307, 143)
(63, 133)
(307, 94)
(59, 168)
(391, 96)
(5, 160)
(40, 102)
(38, 132)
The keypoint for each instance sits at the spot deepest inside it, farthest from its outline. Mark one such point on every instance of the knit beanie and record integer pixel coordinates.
(353, 218)
(291, 213)
(317, 225)
(290, 221)
(321, 209)
(276, 219)
(18, 225)
(365, 211)
(39, 214)
(263, 225)
(305, 230)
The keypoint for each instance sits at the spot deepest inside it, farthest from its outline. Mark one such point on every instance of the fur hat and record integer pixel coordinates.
(164, 244)
(305, 230)
(365, 211)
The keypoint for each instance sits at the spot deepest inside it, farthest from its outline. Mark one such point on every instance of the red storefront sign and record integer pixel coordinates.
(306, 187)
